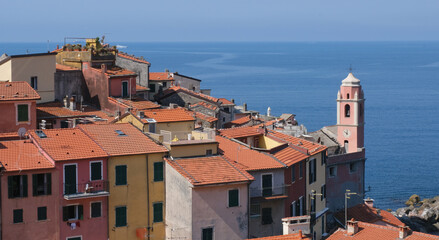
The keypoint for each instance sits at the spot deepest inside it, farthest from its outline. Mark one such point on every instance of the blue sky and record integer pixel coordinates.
(225, 20)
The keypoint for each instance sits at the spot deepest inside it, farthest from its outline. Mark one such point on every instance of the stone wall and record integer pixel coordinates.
(142, 69)
(68, 83)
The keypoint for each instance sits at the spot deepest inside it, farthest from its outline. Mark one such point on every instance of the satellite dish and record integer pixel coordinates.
(21, 132)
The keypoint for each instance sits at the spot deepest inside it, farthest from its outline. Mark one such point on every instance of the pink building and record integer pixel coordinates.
(29, 199)
(17, 106)
(83, 186)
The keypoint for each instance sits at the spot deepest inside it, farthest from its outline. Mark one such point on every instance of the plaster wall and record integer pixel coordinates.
(187, 126)
(297, 187)
(8, 121)
(142, 69)
(6, 71)
(267, 143)
(192, 150)
(188, 83)
(257, 229)
(277, 180)
(97, 84)
(68, 83)
(116, 86)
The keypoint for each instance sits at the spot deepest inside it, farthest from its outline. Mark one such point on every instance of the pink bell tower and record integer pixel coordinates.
(350, 114)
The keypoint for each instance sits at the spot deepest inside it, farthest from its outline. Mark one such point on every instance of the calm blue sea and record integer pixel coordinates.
(400, 81)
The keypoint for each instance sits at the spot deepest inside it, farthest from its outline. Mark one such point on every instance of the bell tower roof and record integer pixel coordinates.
(350, 81)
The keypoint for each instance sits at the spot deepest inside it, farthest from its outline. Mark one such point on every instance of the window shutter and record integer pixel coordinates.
(65, 212)
(158, 171)
(158, 212)
(80, 212)
(233, 198)
(23, 113)
(121, 216)
(121, 175)
(96, 173)
(34, 184)
(49, 183)
(24, 178)
(10, 191)
(315, 169)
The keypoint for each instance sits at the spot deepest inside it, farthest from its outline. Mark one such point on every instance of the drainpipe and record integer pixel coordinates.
(248, 210)
(147, 195)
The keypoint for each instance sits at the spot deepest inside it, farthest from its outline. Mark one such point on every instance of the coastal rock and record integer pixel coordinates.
(422, 216)
(414, 199)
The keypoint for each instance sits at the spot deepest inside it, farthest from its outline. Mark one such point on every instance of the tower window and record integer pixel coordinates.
(347, 110)
(346, 145)
(347, 96)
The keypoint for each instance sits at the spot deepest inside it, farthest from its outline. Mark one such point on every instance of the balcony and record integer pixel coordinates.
(86, 190)
(270, 193)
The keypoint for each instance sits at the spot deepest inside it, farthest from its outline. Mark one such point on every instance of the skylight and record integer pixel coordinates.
(120, 133)
(40, 134)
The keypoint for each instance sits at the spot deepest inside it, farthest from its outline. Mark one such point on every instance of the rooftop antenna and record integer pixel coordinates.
(350, 68)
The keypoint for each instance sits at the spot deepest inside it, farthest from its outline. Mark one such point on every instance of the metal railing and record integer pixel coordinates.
(89, 188)
(206, 134)
(281, 190)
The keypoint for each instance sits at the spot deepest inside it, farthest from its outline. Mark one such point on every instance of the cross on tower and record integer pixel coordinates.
(350, 68)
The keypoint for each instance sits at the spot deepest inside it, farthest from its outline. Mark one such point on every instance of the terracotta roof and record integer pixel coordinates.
(363, 213)
(368, 231)
(226, 102)
(160, 76)
(176, 89)
(136, 104)
(205, 117)
(67, 144)
(22, 155)
(312, 147)
(205, 105)
(240, 132)
(209, 170)
(57, 110)
(246, 158)
(14, 91)
(61, 67)
(141, 88)
(123, 55)
(241, 121)
(293, 236)
(116, 71)
(133, 141)
(289, 155)
(169, 115)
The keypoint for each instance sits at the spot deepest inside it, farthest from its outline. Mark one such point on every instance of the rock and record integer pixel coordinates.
(414, 199)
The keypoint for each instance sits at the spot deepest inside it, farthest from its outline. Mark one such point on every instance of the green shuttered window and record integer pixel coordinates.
(72, 212)
(121, 216)
(158, 212)
(95, 209)
(233, 198)
(96, 171)
(23, 112)
(158, 171)
(207, 234)
(42, 213)
(18, 215)
(17, 186)
(41, 184)
(121, 175)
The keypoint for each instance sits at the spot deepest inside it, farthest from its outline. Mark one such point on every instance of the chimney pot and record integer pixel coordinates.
(104, 68)
(403, 232)
(352, 227)
(300, 234)
(72, 104)
(369, 202)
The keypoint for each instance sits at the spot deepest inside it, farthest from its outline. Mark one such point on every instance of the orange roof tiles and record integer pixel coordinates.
(141, 88)
(240, 132)
(176, 89)
(209, 170)
(205, 117)
(293, 236)
(363, 213)
(132, 143)
(117, 71)
(312, 147)
(61, 67)
(160, 76)
(246, 158)
(289, 155)
(241, 121)
(56, 110)
(169, 115)
(22, 155)
(368, 231)
(14, 91)
(68, 144)
(204, 104)
(123, 55)
(136, 104)
(226, 102)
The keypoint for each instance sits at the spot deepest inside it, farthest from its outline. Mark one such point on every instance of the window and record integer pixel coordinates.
(158, 171)
(125, 92)
(75, 238)
(95, 209)
(300, 170)
(352, 167)
(70, 178)
(224, 119)
(42, 184)
(267, 185)
(18, 215)
(313, 203)
(293, 209)
(164, 84)
(95, 170)
(151, 127)
(17, 186)
(323, 192)
(346, 145)
(207, 233)
(158, 212)
(152, 87)
(72, 212)
(266, 216)
(293, 173)
(347, 96)
(323, 158)
(312, 170)
(121, 175)
(121, 216)
(34, 82)
(209, 152)
(227, 110)
(347, 110)
(332, 171)
(64, 124)
(255, 210)
(22, 113)
(301, 206)
(323, 224)
(233, 198)
(42, 213)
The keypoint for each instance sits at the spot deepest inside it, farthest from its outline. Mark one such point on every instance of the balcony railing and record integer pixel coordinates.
(175, 136)
(275, 191)
(86, 190)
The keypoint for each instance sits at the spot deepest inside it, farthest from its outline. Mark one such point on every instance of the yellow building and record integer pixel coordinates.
(36, 69)
(136, 207)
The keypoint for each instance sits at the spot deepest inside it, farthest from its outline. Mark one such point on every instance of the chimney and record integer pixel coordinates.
(232, 100)
(300, 234)
(72, 104)
(141, 114)
(404, 231)
(352, 227)
(65, 100)
(104, 68)
(245, 107)
(369, 202)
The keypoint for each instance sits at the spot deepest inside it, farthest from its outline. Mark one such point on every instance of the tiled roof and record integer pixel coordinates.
(68, 144)
(22, 155)
(368, 231)
(175, 89)
(209, 170)
(240, 132)
(14, 91)
(132, 143)
(246, 158)
(226, 102)
(289, 155)
(117, 71)
(363, 213)
(136, 104)
(62, 67)
(123, 55)
(141, 88)
(56, 110)
(205, 117)
(9, 136)
(312, 147)
(169, 115)
(293, 236)
(241, 121)
(205, 105)
(160, 76)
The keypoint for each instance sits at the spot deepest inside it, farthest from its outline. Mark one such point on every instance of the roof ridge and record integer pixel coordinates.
(226, 159)
(83, 130)
(184, 170)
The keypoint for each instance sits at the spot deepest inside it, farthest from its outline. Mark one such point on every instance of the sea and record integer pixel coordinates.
(400, 82)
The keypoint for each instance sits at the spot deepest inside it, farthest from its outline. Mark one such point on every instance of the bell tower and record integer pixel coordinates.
(350, 114)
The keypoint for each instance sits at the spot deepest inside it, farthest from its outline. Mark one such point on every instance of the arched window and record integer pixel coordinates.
(348, 96)
(346, 145)
(347, 110)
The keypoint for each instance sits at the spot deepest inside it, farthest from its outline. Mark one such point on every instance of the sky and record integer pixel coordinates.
(224, 20)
